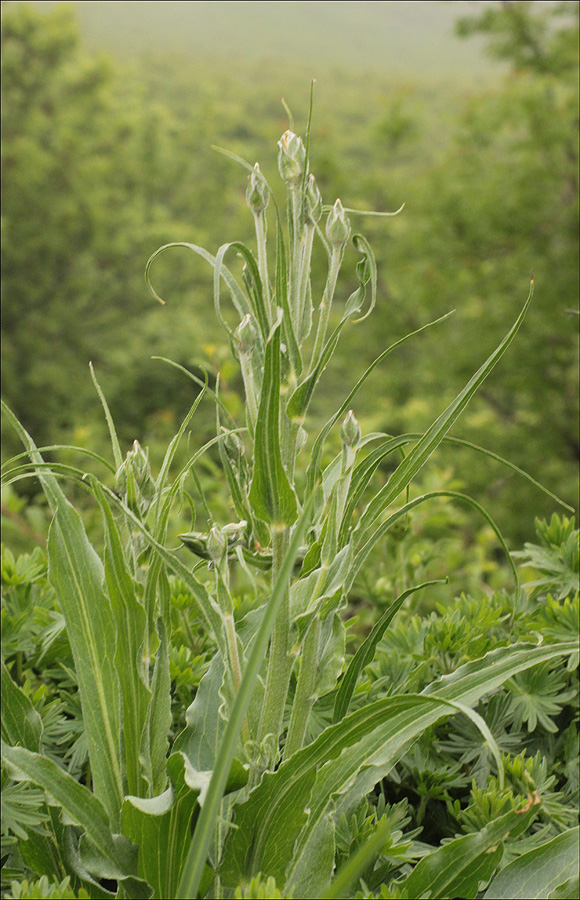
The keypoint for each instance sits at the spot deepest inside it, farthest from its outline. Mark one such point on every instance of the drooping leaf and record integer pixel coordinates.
(314, 464)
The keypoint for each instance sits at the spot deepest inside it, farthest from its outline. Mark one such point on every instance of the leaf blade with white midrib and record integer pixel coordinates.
(537, 873)
(374, 736)
(76, 573)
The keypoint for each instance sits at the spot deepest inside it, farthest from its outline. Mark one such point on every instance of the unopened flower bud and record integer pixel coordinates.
(337, 225)
(233, 444)
(313, 200)
(291, 157)
(233, 531)
(257, 193)
(134, 480)
(216, 544)
(350, 433)
(246, 335)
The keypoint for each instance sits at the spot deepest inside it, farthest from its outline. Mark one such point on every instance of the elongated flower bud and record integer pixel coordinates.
(313, 200)
(233, 444)
(291, 157)
(350, 433)
(134, 481)
(337, 225)
(216, 544)
(246, 335)
(257, 193)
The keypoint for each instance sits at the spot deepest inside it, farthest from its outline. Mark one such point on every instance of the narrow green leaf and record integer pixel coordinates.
(76, 573)
(366, 651)
(457, 868)
(282, 298)
(208, 608)
(271, 493)
(377, 533)
(537, 874)
(117, 455)
(65, 448)
(313, 470)
(21, 723)
(172, 448)
(423, 449)
(256, 293)
(239, 298)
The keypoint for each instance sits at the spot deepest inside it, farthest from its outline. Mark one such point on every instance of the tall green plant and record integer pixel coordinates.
(302, 535)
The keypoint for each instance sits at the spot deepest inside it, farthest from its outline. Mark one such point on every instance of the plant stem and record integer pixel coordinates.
(260, 220)
(303, 325)
(304, 699)
(294, 281)
(280, 662)
(325, 305)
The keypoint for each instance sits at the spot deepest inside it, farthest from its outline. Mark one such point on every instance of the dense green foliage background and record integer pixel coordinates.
(104, 160)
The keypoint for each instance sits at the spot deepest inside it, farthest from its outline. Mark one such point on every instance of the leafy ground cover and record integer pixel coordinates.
(194, 722)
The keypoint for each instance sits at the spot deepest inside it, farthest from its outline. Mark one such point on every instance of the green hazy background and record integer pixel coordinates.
(466, 112)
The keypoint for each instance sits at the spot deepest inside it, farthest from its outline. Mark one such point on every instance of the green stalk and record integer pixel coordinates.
(260, 220)
(249, 387)
(235, 667)
(304, 276)
(294, 273)
(304, 699)
(280, 662)
(204, 829)
(325, 305)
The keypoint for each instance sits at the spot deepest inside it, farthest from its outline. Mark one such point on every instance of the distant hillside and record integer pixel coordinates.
(411, 38)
